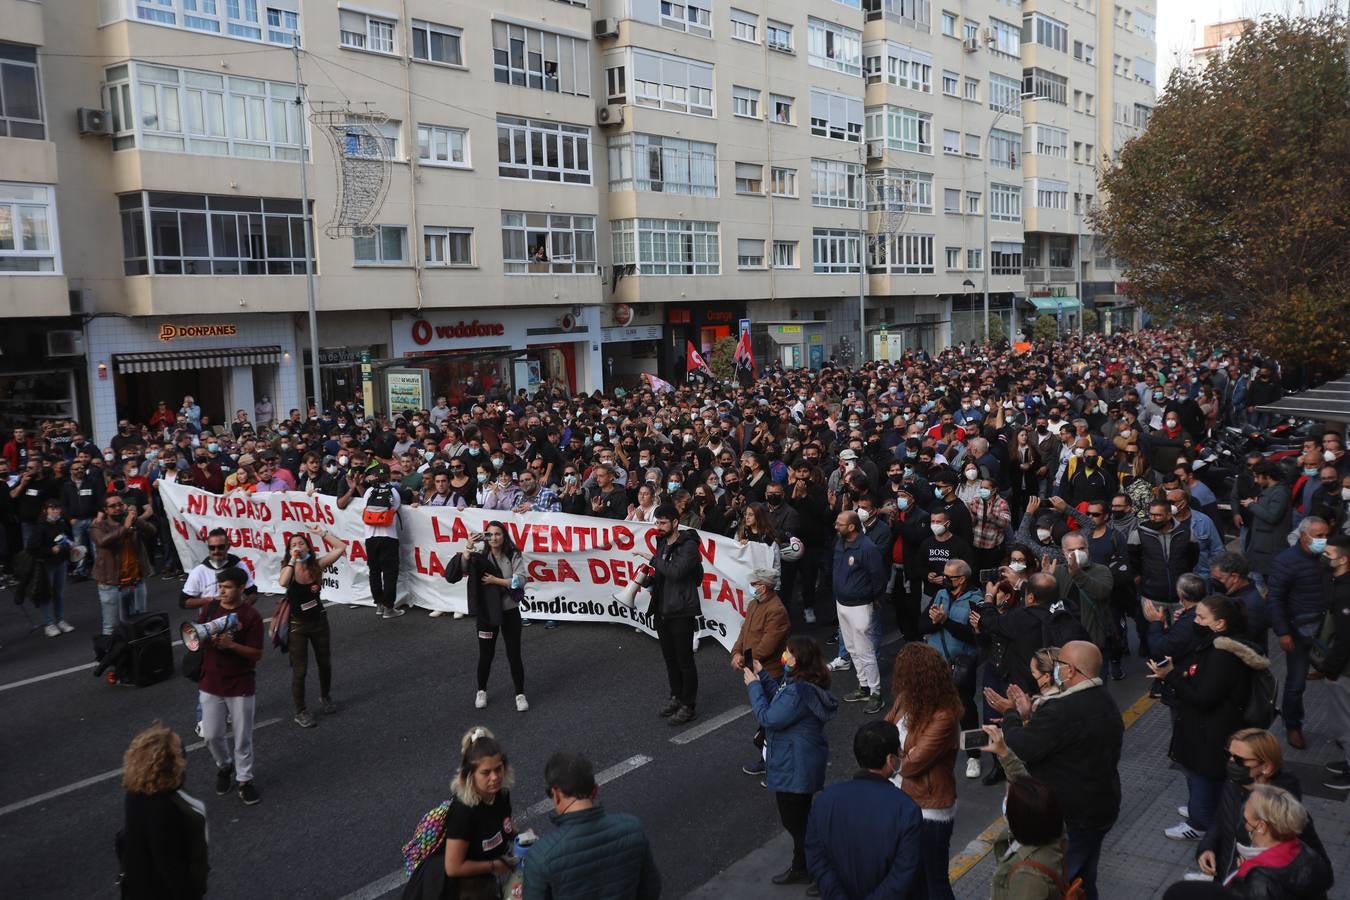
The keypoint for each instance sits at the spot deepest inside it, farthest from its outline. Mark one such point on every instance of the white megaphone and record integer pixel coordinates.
(195, 634)
(628, 596)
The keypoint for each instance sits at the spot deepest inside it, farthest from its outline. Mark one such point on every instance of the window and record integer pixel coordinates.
(1005, 149)
(373, 140)
(1048, 141)
(970, 89)
(28, 241)
(1045, 85)
(785, 254)
(1142, 115)
(749, 253)
(973, 146)
(899, 65)
(1005, 258)
(1145, 72)
(192, 234)
(949, 23)
(1038, 28)
(361, 31)
(231, 18)
(781, 108)
(900, 190)
(537, 243)
(667, 246)
(1005, 202)
(745, 101)
(970, 30)
(1088, 154)
(974, 260)
(951, 141)
(901, 254)
(693, 16)
(778, 36)
(782, 182)
(672, 83)
(831, 46)
(649, 162)
(1089, 105)
(388, 246)
(1122, 18)
(950, 81)
(973, 203)
(447, 246)
(1007, 38)
(438, 145)
(836, 183)
(953, 258)
(20, 97)
(541, 60)
(835, 251)
(745, 26)
(543, 151)
(836, 116)
(914, 13)
(436, 43)
(902, 129)
(1145, 25)
(187, 111)
(1005, 94)
(1050, 194)
(1085, 53)
(749, 178)
(951, 200)
(283, 26)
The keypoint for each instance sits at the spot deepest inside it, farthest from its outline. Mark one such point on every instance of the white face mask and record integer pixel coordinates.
(1080, 557)
(1018, 566)
(1174, 509)
(1345, 493)
(1328, 456)
(939, 529)
(1043, 534)
(972, 474)
(863, 516)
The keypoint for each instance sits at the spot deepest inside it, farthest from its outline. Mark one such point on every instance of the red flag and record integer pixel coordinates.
(658, 385)
(694, 361)
(745, 360)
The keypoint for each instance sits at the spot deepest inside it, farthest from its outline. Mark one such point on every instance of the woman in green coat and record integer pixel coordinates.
(1030, 853)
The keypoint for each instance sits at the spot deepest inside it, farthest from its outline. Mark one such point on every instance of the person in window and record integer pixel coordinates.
(540, 254)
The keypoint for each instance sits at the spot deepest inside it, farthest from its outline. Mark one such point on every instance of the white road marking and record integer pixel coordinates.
(105, 776)
(395, 880)
(692, 734)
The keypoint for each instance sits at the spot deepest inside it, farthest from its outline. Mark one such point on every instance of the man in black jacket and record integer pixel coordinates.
(82, 495)
(1161, 550)
(1073, 745)
(675, 605)
(1335, 665)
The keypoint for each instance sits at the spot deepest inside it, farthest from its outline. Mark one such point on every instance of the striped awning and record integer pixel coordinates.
(179, 360)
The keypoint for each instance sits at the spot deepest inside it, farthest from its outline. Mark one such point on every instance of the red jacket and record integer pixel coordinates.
(12, 452)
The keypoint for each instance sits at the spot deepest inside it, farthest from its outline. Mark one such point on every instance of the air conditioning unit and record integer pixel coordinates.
(606, 28)
(65, 343)
(970, 45)
(876, 150)
(609, 115)
(94, 121)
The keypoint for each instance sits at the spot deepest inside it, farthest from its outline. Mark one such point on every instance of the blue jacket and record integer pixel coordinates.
(859, 574)
(954, 637)
(1205, 535)
(862, 840)
(592, 856)
(793, 715)
(1295, 583)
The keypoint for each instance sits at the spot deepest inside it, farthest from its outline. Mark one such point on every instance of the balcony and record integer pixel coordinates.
(1049, 275)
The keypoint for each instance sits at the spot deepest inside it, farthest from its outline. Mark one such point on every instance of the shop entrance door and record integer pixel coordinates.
(138, 393)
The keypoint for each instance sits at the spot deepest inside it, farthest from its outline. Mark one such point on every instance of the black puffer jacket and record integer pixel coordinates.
(1228, 825)
(679, 576)
(1306, 877)
(1211, 690)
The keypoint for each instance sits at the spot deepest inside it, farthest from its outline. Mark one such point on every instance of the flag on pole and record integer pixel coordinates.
(658, 385)
(694, 363)
(745, 360)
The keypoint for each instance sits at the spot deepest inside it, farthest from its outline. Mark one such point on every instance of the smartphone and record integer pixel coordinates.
(975, 739)
(988, 575)
(748, 659)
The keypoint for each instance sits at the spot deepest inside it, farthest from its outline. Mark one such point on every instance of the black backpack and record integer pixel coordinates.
(1062, 627)
(1260, 709)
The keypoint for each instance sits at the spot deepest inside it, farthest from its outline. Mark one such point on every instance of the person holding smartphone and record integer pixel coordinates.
(760, 644)
(495, 576)
(302, 579)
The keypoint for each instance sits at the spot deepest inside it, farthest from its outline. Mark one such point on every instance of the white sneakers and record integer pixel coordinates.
(58, 629)
(521, 703)
(459, 615)
(972, 768)
(480, 700)
(66, 627)
(1182, 832)
(839, 664)
(435, 613)
(51, 631)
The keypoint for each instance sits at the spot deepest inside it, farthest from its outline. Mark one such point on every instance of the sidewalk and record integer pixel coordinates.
(1138, 862)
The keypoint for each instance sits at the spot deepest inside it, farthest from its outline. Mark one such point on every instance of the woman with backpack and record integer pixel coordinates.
(302, 579)
(1030, 853)
(1212, 692)
(495, 573)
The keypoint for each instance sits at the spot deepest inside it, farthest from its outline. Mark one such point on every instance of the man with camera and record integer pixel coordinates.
(122, 563)
(228, 684)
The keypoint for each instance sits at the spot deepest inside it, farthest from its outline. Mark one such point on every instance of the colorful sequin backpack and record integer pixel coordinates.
(427, 837)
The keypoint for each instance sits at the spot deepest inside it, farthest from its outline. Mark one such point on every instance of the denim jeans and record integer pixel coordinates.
(1083, 854)
(935, 841)
(1202, 800)
(113, 602)
(79, 537)
(1296, 674)
(55, 609)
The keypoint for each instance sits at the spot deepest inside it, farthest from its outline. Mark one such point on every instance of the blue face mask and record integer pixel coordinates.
(1054, 674)
(214, 448)
(672, 486)
(985, 493)
(1317, 545)
(1310, 472)
(902, 503)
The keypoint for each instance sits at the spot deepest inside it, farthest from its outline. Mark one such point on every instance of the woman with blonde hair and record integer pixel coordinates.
(927, 713)
(162, 844)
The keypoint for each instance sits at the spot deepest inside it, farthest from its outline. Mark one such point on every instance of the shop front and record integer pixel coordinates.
(789, 345)
(225, 363)
(631, 343)
(499, 353)
(42, 372)
(345, 339)
(703, 325)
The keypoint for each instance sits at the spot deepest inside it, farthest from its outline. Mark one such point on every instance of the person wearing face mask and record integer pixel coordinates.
(301, 578)
(675, 603)
(947, 501)
(200, 587)
(764, 634)
(1333, 656)
(1268, 518)
(990, 519)
(1167, 443)
(1030, 852)
(49, 544)
(939, 548)
(1205, 534)
(1210, 690)
(1298, 604)
(1253, 758)
(945, 622)
(1161, 550)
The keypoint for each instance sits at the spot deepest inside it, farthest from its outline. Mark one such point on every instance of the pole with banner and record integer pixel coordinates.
(367, 386)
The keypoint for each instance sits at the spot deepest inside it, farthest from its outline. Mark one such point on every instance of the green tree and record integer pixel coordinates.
(996, 330)
(1090, 319)
(1046, 328)
(1232, 210)
(722, 360)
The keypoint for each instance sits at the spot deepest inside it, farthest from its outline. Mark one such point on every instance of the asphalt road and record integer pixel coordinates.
(339, 800)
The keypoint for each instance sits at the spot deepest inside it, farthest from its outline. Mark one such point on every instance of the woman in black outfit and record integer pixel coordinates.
(302, 579)
(495, 570)
(162, 845)
(462, 485)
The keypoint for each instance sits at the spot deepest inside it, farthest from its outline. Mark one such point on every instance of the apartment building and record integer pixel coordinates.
(1217, 41)
(569, 191)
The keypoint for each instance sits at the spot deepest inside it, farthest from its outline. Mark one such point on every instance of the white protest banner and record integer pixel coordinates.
(575, 563)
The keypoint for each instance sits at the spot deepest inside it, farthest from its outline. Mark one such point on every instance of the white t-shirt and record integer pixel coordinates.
(390, 530)
(201, 581)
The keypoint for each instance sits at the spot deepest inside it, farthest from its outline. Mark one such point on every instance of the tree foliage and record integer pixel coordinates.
(1046, 327)
(722, 359)
(1233, 209)
(1090, 319)
(996, 330)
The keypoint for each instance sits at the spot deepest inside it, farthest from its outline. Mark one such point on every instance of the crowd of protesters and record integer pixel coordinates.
(1014, 513)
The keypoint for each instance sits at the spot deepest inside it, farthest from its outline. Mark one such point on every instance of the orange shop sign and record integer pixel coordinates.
(171, 332)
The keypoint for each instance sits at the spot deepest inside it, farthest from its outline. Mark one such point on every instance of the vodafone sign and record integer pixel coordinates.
(446, 331)
(423, 332)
